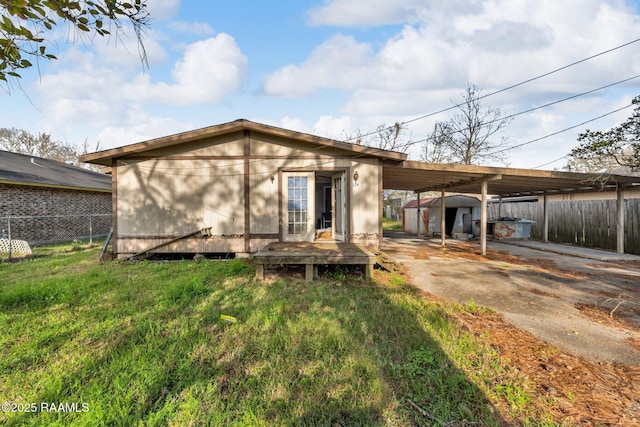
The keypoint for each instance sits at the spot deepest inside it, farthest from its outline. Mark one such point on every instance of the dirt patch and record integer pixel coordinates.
(541, 293)
(575, 390)
(620, 317)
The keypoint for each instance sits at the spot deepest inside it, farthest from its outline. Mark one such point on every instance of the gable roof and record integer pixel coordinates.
(105, 157)
(23, 169)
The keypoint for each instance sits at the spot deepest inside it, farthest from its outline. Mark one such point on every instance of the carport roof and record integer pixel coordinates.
(423, 177)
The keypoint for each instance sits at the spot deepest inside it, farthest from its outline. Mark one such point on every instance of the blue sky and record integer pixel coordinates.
(336, 67)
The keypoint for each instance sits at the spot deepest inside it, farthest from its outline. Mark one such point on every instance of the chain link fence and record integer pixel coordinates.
(40, 230)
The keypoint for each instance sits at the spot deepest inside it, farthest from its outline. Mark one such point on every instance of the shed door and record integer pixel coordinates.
(299, 207)
(339, 206)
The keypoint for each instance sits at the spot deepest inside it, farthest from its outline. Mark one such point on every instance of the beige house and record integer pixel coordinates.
(241, 185)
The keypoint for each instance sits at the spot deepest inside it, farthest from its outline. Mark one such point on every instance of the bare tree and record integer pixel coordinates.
(41, 145)
(392, 137)
(471, 136)
(385, 137)
(436, 148)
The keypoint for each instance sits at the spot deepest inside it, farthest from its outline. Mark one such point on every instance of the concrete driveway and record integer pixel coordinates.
(546, 293)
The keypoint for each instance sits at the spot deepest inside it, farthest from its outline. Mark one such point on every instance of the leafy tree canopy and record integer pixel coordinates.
(618, 147)
(26, 26)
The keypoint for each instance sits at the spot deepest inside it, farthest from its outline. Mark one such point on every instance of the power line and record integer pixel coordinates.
(507, 88)
(570, 97)
(561, 131)
(532, 109)
(410, 143)
(548, 163)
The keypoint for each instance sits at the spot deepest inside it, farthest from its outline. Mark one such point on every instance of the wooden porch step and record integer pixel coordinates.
(313, 254)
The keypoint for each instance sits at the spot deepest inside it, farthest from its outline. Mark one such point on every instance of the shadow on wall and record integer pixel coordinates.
(165, 199)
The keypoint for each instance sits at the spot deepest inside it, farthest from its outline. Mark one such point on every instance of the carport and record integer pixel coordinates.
(421, 177)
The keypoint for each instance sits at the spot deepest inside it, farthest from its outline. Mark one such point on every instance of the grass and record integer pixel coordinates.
(45, 250)
(391, 224)
(149, 343)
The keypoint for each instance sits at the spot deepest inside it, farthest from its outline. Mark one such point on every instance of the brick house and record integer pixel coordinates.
(62, 197)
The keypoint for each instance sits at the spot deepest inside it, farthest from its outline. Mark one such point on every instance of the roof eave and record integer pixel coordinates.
(57, 186)
(105, 157)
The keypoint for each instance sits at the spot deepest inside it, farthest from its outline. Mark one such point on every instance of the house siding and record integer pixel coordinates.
(203, 184)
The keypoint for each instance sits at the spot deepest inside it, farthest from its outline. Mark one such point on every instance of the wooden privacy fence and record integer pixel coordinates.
(590, 223)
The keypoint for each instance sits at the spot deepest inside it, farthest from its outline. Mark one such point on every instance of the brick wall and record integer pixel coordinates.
(17, 200)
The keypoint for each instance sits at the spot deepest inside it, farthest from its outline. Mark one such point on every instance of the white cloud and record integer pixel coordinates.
(88, 91)
(363, 12)
(339, 62)
(124, 49)
(492, 44)
(199, 28)
(334, 127)
(293, 124)
(163, 9)
(84, 93)
(139, 126)
(356, 80)
(208, 71)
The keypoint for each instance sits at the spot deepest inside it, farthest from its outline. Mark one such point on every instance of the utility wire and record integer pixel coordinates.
(548, 163)
(506, 88)
(410, 143)
(568, 98)
(180, 170)
(561, 131)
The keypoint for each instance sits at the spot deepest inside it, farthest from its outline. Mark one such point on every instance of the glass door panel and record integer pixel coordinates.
(299, 206)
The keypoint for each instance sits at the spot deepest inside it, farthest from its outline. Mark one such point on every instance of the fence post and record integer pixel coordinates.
(9, 231)
(90, 229)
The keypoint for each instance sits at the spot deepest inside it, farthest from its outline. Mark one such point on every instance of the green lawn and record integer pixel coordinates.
(391, 224)
(143, 343)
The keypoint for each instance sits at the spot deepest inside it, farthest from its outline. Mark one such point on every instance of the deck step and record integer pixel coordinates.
(387, 263)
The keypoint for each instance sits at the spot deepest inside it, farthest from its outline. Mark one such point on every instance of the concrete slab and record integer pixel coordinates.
(541, 293)
(577, 251)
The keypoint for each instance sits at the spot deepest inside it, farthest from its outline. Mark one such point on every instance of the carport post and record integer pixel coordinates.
(443, 224)
(545, 218)
(620, 221)
(418, 214)
(483, 219)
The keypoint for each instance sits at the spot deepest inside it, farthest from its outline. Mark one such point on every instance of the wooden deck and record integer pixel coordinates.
(313, 254)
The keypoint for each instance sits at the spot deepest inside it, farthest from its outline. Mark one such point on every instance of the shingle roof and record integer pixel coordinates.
(22, 169)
